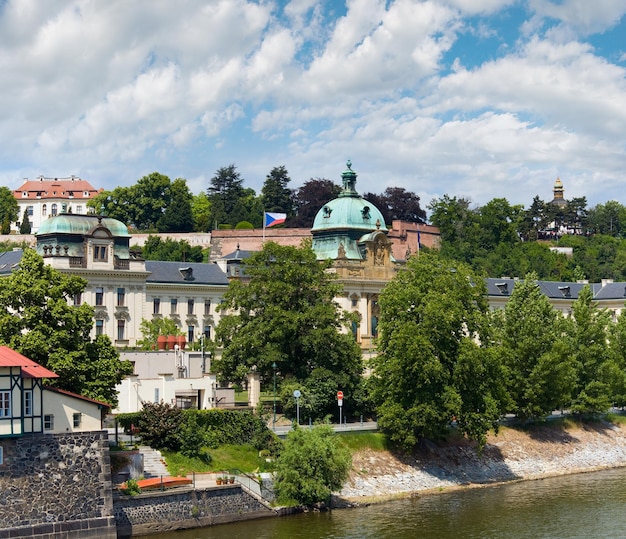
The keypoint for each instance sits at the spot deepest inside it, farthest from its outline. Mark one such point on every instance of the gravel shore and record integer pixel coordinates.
(514, 454)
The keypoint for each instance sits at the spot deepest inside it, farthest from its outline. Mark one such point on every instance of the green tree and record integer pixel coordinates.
(171, 250)
(37, 321)
(151, 329)
(9, 208)
(617, 349)
(540, 374)
(177, 216)
(458, 226)
(286, 314)
(275, 194)
(311, 465)
(225, 190)
(201, 212)
(588, 330)
(25, 227)
(429, 368)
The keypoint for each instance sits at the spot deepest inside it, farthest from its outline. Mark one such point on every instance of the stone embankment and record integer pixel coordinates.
(514, 454)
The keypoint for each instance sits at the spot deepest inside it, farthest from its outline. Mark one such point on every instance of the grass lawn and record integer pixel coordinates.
(226, 457)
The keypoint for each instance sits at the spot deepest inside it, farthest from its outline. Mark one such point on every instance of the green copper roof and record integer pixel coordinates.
(71, 223)
(349, 211)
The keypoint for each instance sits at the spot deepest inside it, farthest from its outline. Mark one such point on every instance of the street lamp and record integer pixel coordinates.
(274, 366)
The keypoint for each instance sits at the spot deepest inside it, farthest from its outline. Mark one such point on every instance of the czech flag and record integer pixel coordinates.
(272, 219)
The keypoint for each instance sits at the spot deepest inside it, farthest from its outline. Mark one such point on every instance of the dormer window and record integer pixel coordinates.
(503, 288)
(187, 273)
(99, 253)
(327, 211)
(565, 291)
(365, 212)
(24, 194)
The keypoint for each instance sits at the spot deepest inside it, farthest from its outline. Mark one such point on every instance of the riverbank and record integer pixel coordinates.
(514, 454)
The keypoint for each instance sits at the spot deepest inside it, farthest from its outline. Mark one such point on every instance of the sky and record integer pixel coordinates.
(478, 99)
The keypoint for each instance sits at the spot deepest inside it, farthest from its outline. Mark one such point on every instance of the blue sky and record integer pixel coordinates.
(470, 98)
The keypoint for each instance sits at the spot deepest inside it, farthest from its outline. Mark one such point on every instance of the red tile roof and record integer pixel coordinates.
(11, 358)
(55, 188)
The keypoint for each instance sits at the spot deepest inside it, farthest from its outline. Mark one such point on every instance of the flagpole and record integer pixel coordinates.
(264, 218)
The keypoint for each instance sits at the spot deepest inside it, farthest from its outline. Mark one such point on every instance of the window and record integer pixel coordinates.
(5, 404)
(48, 422)
(156, 394)
(121, 326)
(44, 210)
(99, 327)
(53, 209)
(29, 210)
(189, 306)
(1, 456)
(77, 419)
(28, 402)
(207, 332)
(121, 296)
(190, 333)
(207, 307)
(156, 306)
(79, 208)
(78, 299)
(173, 305)
(99, 253)
(99, 296)
(24, 194)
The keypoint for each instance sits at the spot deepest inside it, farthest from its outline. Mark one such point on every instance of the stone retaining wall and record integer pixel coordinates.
(56, 485)
(160, 512)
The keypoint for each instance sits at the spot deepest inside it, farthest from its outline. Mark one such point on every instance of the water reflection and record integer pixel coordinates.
(578, 506)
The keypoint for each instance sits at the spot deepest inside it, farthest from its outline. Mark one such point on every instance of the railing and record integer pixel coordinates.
(121, 264)
(77, 262)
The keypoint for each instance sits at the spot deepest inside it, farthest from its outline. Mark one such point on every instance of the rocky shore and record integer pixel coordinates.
(514, 454)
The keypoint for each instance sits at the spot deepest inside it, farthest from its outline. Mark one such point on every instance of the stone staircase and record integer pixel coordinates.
(153, 465)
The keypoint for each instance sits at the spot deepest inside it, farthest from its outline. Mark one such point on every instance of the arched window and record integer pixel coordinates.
(53, 209)
(44, 210)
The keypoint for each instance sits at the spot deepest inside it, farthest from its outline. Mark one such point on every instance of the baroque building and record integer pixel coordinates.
(47, 197)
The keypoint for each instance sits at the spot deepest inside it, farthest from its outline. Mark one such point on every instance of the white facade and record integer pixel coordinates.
(43, 198)
(178, 377)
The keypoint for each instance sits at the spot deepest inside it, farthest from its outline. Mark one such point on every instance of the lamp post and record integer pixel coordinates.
(274, 366)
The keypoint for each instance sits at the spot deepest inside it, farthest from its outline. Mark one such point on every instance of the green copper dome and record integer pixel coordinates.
(341, 223)
(349, 210)
(71, 223)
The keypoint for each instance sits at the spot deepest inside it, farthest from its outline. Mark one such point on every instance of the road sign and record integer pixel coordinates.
(340, 395)
(297, 394)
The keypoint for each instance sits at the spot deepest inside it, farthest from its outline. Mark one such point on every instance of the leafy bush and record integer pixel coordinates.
(161, 426)
(311, 465)
(132, 488)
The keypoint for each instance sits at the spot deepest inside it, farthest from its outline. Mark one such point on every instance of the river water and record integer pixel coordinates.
(591, 505)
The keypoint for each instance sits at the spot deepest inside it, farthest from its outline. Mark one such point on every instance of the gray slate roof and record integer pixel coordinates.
(194, 273)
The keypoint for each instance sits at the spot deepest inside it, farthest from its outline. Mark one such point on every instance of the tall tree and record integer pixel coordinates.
(310, 198)
(430, 368)
(458, 226)
(275, 194)
(25, 227)
(201, 212)
(37, 321)
(224, 192)
(529, 332)
(286, 315)
(588, 331)
(177, 216)
(398, 203)
(9, 208)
